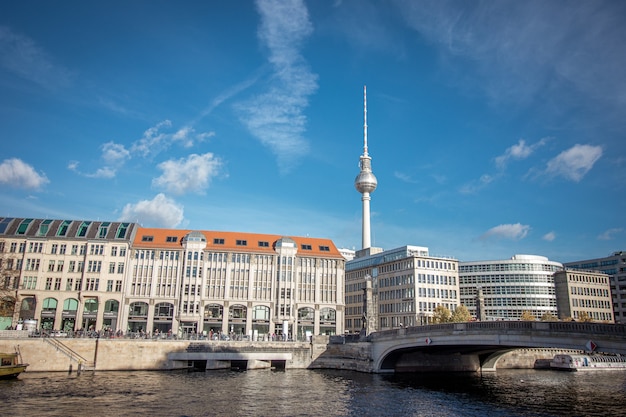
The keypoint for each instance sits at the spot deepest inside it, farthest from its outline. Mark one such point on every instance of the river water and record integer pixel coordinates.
(315, 393)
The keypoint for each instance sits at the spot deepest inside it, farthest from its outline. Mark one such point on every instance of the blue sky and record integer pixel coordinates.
(494, 127)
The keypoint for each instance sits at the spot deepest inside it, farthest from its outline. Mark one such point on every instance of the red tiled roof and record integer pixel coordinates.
(160, 241)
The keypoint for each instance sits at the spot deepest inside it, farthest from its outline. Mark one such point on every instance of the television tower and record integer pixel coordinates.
(365, 182)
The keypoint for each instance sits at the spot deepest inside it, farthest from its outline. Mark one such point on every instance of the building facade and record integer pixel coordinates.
(615, 267)
(64, 274)
(510, 287)
(70, 275)
(582, 294)
(398, 287)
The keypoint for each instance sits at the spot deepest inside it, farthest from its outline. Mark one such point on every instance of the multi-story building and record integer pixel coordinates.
(234, 283)
(404, 285)
(66, 275)
(510, 287)
(70, 275)
(614, 266)
(583, 293)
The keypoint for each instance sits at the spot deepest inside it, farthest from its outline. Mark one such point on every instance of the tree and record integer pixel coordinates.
(9, 276)
(584, 317)
(527, 316)
(547, 316)
(441, 314)
(460, 315)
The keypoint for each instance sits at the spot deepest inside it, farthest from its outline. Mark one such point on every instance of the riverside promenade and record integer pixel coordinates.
(50, 354)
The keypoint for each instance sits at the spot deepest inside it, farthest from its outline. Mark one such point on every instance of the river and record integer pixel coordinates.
(315, 393)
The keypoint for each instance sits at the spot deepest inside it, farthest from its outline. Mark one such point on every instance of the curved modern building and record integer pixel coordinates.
(509, 287)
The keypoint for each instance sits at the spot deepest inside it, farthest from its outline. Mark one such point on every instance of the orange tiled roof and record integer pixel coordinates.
(170, 239)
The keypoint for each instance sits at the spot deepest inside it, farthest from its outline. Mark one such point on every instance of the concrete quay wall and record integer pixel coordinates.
(42, 355)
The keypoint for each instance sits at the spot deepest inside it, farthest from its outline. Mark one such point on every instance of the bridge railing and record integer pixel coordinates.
(505, 326)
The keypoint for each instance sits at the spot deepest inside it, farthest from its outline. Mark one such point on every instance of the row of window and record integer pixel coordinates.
(90, 284)
(507, 267)
(44, 228)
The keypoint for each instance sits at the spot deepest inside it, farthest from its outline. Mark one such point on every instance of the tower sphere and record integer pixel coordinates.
(365, 182)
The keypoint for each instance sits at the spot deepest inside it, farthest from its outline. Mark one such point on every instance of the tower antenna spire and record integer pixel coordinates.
(365, 120)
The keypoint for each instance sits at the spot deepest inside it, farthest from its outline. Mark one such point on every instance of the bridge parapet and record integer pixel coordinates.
(507, 326)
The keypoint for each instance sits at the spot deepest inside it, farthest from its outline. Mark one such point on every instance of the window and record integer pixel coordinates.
(263, 244)
(24, 226)
(63, 228)
(82, 230)
(57, 284)
(324, 248)
(48, 284)
(218, 241)
(68, 284)
(147, 238)
(113, 250)
(43, 228)
(171, 239)
(305, 247)
(103, 230)
(241, 242)
(72, 266)
(120, 267)
(111, 268)
(96, 249)
(121, 231)
(62, 249)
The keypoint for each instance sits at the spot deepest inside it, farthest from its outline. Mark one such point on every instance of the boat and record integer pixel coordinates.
(589, 362)
(11, 365)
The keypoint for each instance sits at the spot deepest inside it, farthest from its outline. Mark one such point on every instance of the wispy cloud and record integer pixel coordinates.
(161, 211)
(477, 185)
(22, 56)
(518, 151)
(522, 49)
(191, 174)
(403, 177)
(549, 237)
(515, 231)
(17, 173)
(276, 117)
(610, 233)
(574, 163)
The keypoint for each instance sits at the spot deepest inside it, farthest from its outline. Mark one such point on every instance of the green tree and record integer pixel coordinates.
(460, 315)
(527, 316)
(547, 316)
(441, 314)
(584, 317)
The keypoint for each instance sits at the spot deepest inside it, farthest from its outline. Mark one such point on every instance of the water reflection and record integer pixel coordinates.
(315, 393)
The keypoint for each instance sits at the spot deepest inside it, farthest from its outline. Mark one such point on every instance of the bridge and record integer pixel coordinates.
(474, 346)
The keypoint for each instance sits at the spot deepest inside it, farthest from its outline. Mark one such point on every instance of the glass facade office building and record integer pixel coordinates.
(510, 287)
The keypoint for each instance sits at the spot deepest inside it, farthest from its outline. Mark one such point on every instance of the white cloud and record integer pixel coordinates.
(609, 234)
(192, 174)
(22, 56)
(105, 172)
(475, 186)
(515, 231)
(114, 153)
(158, 212)
(276, 117)
(518, 151)
(17, 173)
(549, 237)
(152, 140)
(574, 163)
